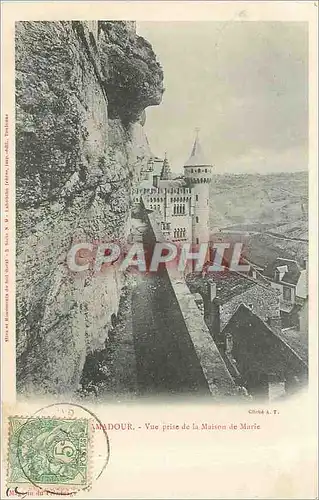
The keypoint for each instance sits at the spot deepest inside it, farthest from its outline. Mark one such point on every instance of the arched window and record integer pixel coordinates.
(196, 197)
(198, 170)
(174, 233)
(206, 170)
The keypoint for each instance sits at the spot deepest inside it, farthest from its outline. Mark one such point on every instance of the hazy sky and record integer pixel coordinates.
(244, 84)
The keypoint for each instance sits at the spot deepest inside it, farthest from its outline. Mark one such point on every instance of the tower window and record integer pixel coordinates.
(197, 219)
(198, 170)
(197, 197)
(206, 170)
(192, 170)
(197, 241)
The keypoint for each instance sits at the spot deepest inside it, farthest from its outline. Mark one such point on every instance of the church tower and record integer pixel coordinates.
(166, 169)
(198, 173)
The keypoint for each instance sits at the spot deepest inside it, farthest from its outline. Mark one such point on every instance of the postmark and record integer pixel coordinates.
(49, 451)
(55, 450)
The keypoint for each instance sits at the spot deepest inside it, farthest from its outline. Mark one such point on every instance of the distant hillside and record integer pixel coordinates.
(275, 202)
(273, 209)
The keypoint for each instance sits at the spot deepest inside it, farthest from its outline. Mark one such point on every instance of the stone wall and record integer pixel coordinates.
(205, 363)
(80, 101)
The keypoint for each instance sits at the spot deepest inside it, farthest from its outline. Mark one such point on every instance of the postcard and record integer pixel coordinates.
(159, 250)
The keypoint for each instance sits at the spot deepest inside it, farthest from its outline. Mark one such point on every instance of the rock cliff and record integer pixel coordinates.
(81, 92)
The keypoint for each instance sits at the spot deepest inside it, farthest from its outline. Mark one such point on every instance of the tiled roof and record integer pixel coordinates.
(228, 284)
(245, 318)
(291, 276)
(297, 340)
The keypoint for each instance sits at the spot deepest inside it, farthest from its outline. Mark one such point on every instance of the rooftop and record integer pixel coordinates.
(297, 340)
(197, 157)
(228, 284)
(147, 184)
(171, 183)
(292, 274)
(245, 319)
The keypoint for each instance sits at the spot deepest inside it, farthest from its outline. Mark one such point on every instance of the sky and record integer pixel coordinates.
(243, 84)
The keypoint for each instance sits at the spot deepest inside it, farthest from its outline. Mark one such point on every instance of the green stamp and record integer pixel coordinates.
(48, 451)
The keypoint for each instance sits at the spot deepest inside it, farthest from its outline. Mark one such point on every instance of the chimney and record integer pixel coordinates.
(212, 291)
(281, 270)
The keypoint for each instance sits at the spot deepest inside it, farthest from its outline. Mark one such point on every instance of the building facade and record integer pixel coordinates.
(182, 203)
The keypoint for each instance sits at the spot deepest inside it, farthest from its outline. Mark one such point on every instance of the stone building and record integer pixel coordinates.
(290, 280)
(183, 203)
(223, 292)
(260, 359)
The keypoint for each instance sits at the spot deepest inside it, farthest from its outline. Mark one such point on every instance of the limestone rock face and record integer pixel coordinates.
(81, 92)
(134, 79)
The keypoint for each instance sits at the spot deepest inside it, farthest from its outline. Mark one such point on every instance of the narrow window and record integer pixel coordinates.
(287, 293)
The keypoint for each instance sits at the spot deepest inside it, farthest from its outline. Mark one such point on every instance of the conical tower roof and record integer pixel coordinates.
(166, 169)
(197, 157)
